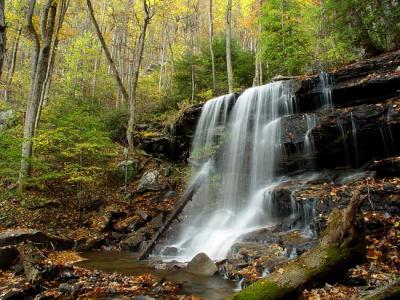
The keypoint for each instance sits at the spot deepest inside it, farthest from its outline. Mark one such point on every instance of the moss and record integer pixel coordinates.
(337, 254)
(149, 134)
(264, 289)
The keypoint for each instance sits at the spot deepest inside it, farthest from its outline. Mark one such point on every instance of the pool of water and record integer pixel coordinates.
(210, 288)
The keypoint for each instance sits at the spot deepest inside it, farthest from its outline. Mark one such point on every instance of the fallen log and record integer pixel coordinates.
(342, 246)
(390, 291)
(190, 192)
(40, 239)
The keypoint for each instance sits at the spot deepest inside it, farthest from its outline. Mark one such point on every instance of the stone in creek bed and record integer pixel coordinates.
(201, 264)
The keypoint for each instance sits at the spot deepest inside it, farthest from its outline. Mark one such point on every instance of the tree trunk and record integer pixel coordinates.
(3, 36)
(11, 72)
(107, 53)
(97, 61)
(49, 72)
(211, 41)
(136, 67)
(340, 248)
(188, 196)
(258, 64)
(229, 46)
(39, 66)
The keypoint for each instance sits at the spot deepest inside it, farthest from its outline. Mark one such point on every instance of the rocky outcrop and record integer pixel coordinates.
(342, 137)
(365, 93)
(367, 81)
(386, 167)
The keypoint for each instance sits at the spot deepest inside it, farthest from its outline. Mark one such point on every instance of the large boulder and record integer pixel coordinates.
(129, 168)
(150, 181)
(201, 264)
(6, 118)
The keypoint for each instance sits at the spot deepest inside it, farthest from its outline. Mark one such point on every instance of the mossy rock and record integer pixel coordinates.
(133, 169)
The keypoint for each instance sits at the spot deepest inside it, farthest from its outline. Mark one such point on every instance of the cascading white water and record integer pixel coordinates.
(308, 139)
(326, 83)
(354, 138)
(236, 195)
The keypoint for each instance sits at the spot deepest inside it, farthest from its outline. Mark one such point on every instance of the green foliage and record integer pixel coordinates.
(10, 153)
(369, 28)
(75, 143)
(303, 36)
(80, 56)
(285, 42)
(115, 121)
(243, 62)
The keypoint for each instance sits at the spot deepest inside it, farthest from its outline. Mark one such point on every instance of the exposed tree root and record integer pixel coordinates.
(341, 246)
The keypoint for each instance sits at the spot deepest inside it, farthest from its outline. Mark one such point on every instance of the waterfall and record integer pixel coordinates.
(236, 196)
(343, 137)
(354, 138)
(326, 83)
(308, 149)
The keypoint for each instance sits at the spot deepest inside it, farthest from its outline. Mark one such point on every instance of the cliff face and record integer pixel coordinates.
(363, 124)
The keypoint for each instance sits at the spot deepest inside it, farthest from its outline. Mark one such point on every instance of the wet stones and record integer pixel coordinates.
(201, 264)
(135, 240)
(170, 251)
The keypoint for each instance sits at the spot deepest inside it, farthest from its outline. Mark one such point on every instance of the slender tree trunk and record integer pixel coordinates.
(3, 36)
(97, 61)
(40, 62)
(192, 65)
(258, 64)
(107, 53)
(53, 50)
(160, 81)
(136, 67)
(211, 41)
(229, 46)
(13, 63)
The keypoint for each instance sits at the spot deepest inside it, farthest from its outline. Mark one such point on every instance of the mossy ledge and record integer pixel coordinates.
(341, 247)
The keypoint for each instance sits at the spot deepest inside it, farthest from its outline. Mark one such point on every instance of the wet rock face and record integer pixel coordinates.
(342, 137)
(386, 167)
(355, 88)
(355, 136)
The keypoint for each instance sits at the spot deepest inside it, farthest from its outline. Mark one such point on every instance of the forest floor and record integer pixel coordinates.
(99, 226)
(60, 278)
